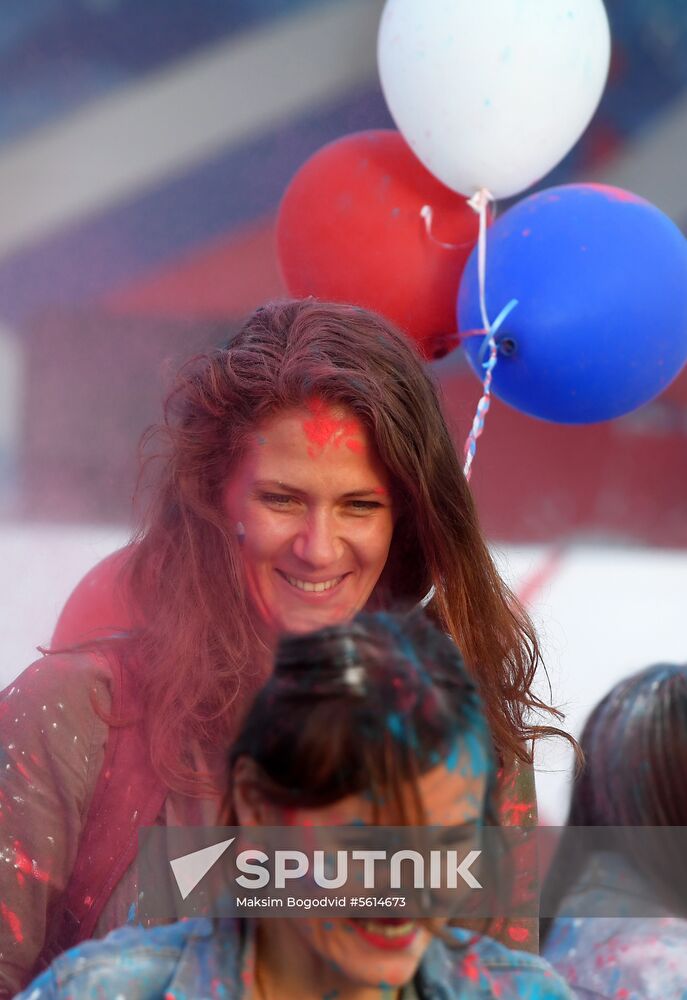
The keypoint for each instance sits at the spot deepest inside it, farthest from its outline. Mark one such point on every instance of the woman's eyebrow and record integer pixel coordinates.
(278, 484)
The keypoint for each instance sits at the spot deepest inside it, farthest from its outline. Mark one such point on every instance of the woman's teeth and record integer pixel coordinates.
(389, 930)
(313, 587)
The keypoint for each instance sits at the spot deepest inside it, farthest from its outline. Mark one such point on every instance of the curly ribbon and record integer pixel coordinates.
(480, 203)
(485, 401)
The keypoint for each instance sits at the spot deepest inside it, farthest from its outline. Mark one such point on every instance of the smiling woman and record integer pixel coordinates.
(312, 498)
(302, 474)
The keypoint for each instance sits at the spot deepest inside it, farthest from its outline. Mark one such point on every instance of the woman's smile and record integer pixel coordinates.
(389, 935)
(317, 589)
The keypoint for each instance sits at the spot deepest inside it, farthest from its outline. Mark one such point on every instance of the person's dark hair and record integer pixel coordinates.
(199, 659)
(366, 706)
(635, 746)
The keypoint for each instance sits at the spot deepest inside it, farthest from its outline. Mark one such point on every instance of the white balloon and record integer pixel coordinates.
(493, 93)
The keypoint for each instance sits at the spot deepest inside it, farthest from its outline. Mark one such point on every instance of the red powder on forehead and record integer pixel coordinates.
(324, 428)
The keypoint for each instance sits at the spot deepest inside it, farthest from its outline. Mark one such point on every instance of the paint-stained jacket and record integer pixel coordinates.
(623, 957)
(196, 960)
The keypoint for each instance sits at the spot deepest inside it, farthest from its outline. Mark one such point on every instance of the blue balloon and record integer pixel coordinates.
(600, 276)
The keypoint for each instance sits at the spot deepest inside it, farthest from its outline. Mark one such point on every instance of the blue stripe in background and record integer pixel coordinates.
(55, 55)
(233, 188)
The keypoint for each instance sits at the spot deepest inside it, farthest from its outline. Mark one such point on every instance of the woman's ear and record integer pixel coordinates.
(250, 807)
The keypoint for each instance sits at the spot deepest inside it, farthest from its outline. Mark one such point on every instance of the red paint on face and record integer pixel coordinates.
(519, 934)
(324, 428)
(355, 446)
(13, 922)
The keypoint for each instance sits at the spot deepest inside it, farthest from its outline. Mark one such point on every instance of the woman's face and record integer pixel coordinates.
(312, 509)
(383, 951)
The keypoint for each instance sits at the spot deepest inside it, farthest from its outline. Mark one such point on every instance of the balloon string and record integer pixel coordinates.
(480, 202)
(485, 401)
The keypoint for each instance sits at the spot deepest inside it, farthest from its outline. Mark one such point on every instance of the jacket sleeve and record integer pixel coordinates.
(52, 744)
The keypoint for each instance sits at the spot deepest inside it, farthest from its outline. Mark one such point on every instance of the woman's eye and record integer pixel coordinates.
(365, 505)
(278, 499)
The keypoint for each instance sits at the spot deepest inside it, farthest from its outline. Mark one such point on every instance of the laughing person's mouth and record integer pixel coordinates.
(309, 587)
(387, 934)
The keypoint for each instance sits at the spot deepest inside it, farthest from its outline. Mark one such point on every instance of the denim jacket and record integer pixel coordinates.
(626, 956)
(199, 960)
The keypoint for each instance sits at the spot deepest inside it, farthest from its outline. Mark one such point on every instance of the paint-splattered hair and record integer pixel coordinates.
(198, 654)
(634, 745)
(366, 706)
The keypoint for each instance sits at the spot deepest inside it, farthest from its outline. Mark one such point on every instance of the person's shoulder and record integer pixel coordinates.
(130, 961)
(493, 970)
(646, 956)
(57, 678)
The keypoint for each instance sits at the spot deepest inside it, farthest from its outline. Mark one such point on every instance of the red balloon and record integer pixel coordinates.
(96, 607)
(364, 222)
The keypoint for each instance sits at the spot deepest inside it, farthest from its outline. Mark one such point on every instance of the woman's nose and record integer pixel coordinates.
(318, 542)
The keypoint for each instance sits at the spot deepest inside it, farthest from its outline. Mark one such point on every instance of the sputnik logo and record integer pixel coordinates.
(189, 869)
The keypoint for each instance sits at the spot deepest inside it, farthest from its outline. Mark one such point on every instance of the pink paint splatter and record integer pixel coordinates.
(519, 934)
(22, 770)
(516, 810)
(13, 922)
(527, 232)
(26, 865)
(616, 194)
(470, 967)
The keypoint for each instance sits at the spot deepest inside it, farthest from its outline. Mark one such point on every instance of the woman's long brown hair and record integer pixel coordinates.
(198, 657)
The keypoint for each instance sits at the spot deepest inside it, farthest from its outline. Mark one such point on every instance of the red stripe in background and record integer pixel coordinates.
(228, 277)
(534, 583)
